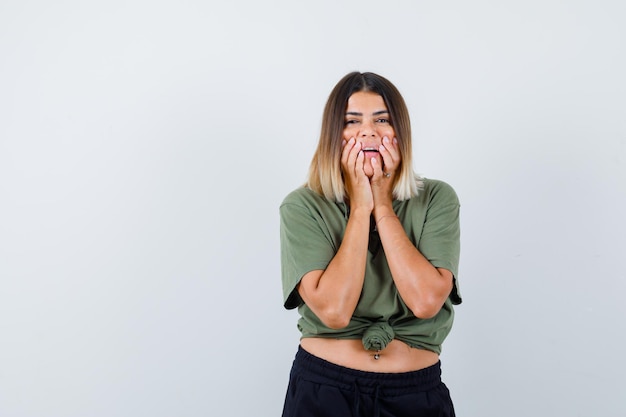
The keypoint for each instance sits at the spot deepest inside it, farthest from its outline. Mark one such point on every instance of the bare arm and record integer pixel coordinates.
(423, 287)
(332, 294)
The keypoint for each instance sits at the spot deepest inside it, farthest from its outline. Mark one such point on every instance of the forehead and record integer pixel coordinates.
(365, 100)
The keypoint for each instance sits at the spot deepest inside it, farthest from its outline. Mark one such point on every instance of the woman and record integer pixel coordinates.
(369, 255)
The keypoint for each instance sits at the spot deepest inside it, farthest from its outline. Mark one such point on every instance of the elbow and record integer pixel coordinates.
(429, 304)
(338, 325)
(426, 309)
(335, 320)
(425, 313)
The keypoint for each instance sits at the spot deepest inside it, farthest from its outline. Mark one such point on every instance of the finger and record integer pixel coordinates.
(345, 153)
(358, 163)
(395, 149)
(390, 154)
(353, 157)
(391, 148)
(378, 170)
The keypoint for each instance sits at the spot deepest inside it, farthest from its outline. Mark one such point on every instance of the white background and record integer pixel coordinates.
(145, 147)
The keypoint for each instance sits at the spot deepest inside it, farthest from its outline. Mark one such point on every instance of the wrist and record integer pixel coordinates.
(380, 219)
(361, 212)
(383, 210)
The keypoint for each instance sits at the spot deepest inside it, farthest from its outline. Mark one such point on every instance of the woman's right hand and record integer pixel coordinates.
(358, 185)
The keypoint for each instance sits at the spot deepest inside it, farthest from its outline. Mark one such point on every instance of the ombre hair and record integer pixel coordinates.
(325, 176)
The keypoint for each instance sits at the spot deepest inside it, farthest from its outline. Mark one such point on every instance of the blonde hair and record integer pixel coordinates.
(325, 175)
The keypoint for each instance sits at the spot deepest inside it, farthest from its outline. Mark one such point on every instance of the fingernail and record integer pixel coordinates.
(385, 139)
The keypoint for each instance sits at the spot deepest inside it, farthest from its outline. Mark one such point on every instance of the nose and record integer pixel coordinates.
(367, 129)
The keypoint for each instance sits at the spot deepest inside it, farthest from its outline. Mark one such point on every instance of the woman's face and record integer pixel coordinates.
(368, 121)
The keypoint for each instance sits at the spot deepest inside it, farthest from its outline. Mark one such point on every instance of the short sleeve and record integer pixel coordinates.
(440, 240)
(304, 246)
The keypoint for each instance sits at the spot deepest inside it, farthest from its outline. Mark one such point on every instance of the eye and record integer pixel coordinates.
(351, 121)
(382, 120)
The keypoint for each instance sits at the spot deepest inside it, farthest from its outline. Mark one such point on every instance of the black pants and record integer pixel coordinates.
(318, 388)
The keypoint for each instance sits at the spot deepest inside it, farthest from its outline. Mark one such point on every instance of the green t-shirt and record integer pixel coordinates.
(311, 230)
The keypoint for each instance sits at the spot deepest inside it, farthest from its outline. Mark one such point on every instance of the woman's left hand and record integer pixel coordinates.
(384, 176)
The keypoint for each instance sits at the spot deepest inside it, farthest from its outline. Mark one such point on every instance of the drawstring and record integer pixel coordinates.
(357, 400)
(376, 407)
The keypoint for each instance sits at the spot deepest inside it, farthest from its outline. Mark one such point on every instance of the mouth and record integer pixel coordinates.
(371, 150)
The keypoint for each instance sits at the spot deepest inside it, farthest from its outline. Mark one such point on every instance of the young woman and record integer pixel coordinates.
(369, 256)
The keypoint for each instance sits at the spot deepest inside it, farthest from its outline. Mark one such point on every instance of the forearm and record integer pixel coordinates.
(334, 293)
(423, 287)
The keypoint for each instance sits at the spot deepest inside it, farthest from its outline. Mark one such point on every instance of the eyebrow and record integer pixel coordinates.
(376, 113)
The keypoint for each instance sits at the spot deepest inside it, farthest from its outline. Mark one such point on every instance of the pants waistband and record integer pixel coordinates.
(392, 383)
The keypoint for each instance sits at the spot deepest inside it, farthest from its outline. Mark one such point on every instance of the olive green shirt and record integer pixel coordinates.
(311, 230)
